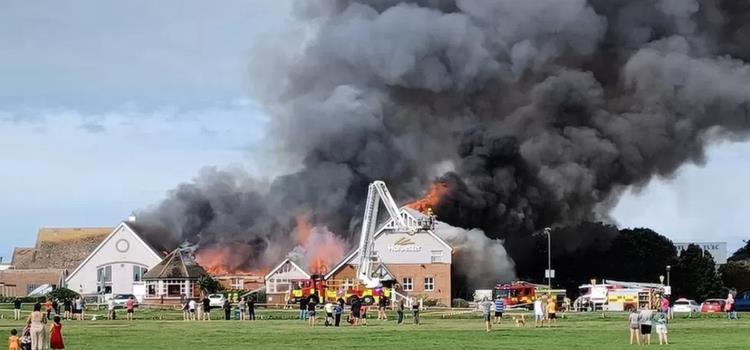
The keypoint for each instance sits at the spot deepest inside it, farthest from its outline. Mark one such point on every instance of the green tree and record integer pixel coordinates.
(742, 253)
(209, 285)
(62, 294)
(695, 275)
(736, 275)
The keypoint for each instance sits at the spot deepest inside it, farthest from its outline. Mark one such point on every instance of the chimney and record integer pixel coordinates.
(131, 217)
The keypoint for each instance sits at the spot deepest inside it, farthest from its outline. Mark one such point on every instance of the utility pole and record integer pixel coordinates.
(548, 232)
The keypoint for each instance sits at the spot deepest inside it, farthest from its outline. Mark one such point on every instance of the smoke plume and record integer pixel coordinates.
(533, 113)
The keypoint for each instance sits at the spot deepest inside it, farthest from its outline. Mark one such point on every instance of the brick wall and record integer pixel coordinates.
(440, 273)
(25, 279)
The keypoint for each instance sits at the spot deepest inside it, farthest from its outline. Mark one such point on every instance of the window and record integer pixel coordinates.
(429, 284)
(347, 284)
(104, 279)
(30, 288)
(104, 274)
(407, 284)
(237, 283)
(138, 272)
(436, 256)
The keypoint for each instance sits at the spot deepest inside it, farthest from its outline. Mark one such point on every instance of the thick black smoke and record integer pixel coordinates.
(537, 113)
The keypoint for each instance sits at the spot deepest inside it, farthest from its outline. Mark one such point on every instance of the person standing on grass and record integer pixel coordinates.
(486, 307)
(56, 337)
(67, 306)
(328, 308)
(337, 313)
(729, 307)
(77, 309)
(83, 309)
(634, 324)
(191, 309)
(356, 308)
(311, 304)
(551, 312)
(400, 311)
(661, 328)
(499, 309)
(184, 306)
(382, 303)
(48, 307)
(363, 314)
(415, 311)
(206, 308)
(303, 308)
(538, 313)
(17, 309)
(130, 307)
(241, 306)
(227, 310)
(251, 308)
(644, 319)
(37, 321)
(111, 309)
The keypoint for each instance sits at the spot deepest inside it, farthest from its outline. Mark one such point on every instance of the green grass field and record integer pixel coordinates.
(279, 331)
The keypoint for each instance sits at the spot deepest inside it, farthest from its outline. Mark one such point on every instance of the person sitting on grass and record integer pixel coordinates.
(634, 325)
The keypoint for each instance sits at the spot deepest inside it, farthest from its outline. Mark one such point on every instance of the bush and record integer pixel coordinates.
(460, 303)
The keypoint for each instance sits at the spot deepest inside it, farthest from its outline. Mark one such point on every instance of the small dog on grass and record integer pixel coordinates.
(520, 320)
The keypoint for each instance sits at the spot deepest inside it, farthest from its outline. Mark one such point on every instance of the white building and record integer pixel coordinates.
(279, 281)
(116, 266)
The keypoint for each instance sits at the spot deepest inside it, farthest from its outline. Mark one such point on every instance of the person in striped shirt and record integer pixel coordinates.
(499, 309)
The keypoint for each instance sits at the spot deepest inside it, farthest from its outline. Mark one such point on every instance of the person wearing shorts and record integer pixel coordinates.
(130, 306)
(644, 318)
(551, 312)
(661, 328)
(538, 313)
(499, 309)
(486, 306)
(634, 322)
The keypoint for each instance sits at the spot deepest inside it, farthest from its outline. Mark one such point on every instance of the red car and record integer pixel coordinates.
(713, 305)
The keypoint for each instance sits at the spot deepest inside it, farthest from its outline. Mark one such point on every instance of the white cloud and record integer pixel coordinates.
(707, 203)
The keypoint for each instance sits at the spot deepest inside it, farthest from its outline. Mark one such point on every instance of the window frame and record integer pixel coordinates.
(431, 283)
(407, 286)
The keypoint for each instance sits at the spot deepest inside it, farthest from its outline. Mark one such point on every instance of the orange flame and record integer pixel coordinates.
(322, 248)
(436, 192)
(225, 259)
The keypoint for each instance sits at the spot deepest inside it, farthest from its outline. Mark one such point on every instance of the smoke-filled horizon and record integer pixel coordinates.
(535, 114)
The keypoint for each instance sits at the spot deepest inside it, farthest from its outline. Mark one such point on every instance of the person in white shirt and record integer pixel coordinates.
(329, 313)
(538, 312)
(111, 309)
(191, 308)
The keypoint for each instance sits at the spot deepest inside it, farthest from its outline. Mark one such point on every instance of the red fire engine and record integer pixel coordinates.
(523, 294)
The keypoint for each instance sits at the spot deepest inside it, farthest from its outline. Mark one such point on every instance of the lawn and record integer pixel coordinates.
(278, 331)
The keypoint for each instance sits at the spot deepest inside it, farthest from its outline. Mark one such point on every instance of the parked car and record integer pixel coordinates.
(122, 299)
(216, 300)
(713, 305)
(742, 302)
(683, 305)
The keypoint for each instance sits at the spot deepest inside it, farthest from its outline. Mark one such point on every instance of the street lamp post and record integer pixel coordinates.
(548, 232)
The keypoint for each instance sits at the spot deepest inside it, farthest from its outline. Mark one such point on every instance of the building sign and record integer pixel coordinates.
(717, 249)
(404, 244)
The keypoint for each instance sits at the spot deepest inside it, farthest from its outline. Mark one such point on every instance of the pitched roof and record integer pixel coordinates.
(414, 214)
(279, 266)
(152, 240)
(60, 248)
(178, 264)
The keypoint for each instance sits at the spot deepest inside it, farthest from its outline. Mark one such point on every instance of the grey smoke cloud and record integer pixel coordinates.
(542, 110)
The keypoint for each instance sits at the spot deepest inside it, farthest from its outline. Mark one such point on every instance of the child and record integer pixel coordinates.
(634, 323)
(661, 328)
(363, 315)
(337, 311)
(14, 342)
(26, 337)
(56, 338)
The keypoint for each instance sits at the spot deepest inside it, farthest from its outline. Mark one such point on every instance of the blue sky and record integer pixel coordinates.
(105, 107)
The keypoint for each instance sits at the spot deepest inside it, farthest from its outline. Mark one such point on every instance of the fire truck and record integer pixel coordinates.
(523, 294)
(369, 287)
(610, 295)
(328, 291)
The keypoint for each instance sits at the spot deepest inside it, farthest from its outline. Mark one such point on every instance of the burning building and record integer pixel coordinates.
(527, 113)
